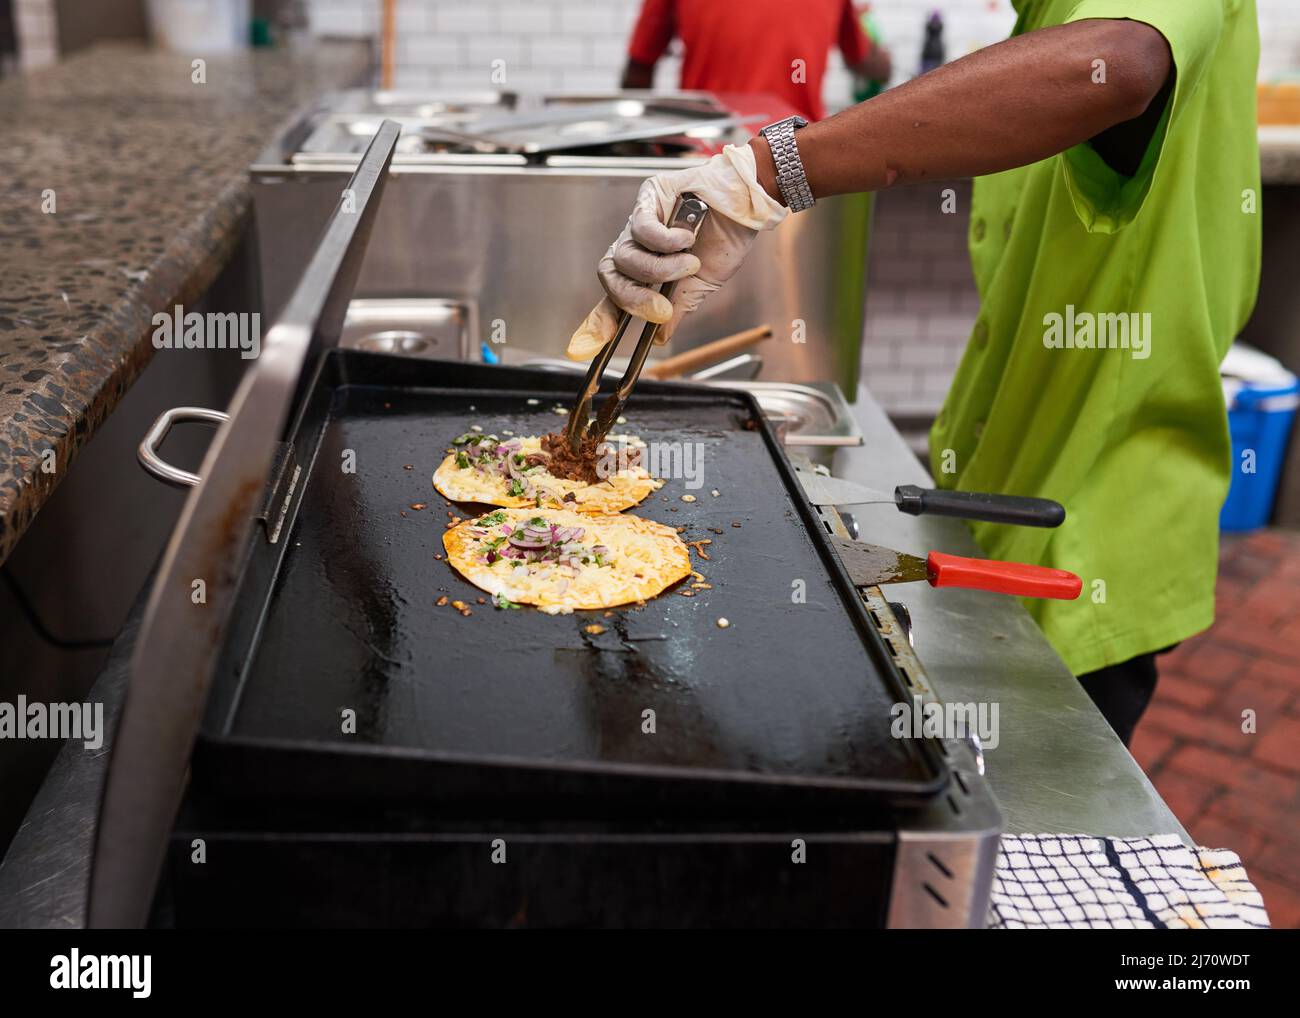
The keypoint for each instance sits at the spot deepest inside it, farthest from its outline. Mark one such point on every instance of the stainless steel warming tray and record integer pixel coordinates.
(511, 129)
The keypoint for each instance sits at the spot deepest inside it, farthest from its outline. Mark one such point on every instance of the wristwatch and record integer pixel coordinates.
(789, 167)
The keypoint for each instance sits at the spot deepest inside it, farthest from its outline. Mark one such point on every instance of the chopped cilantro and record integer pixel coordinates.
(501, 601)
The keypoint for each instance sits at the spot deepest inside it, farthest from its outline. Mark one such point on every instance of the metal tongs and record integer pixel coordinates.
(689, 213)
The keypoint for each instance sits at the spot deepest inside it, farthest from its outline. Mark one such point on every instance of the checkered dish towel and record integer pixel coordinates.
(1068, 880)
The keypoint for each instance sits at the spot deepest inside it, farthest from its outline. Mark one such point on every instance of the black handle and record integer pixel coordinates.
(977, 505)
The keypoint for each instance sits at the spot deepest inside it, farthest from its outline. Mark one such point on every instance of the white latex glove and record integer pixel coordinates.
(648, 253)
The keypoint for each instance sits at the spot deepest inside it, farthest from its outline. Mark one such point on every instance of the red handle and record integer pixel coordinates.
(1001, 577)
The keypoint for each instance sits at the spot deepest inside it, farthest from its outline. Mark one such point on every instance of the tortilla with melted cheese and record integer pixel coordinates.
(586, 561)
(465, 477)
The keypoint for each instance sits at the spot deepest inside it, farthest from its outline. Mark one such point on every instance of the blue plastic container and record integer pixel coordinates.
(1260, 418)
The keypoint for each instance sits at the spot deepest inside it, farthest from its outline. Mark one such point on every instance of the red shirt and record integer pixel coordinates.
(752, 45)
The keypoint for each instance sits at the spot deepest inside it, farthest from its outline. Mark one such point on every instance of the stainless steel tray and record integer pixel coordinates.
(582, 125)
(805, 414)
(509, 128)
(428, 327)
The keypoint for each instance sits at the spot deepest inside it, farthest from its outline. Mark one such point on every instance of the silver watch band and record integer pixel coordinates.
(790, 177)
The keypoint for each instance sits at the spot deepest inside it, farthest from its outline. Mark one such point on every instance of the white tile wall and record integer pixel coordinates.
(38, 33)
(921, 300)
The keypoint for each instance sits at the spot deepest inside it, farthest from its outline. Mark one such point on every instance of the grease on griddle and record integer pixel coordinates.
(699, 547)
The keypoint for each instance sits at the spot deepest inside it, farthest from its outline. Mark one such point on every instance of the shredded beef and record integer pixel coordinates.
(564, 462)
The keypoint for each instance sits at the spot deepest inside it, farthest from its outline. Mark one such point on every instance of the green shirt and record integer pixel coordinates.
(1132, 438)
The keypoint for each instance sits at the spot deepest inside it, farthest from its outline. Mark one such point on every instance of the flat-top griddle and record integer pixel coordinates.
(317, 712)
(790, 703)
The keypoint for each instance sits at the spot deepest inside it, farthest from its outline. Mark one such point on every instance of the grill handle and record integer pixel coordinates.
(157, 434)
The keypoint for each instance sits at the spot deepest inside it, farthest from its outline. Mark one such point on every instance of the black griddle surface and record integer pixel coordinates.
(791, 689)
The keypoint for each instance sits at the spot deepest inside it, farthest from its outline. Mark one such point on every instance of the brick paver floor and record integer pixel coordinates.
(1231, 788)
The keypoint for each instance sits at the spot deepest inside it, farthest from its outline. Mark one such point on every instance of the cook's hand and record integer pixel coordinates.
(647, 253)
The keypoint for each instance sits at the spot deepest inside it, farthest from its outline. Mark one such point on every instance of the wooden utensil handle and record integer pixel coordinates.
(388, 43)
(719, 349)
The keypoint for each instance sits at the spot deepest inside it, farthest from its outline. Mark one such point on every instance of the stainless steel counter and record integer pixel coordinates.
(1058, 767)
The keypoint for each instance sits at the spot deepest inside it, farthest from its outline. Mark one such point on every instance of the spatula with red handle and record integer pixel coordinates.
(870, 564)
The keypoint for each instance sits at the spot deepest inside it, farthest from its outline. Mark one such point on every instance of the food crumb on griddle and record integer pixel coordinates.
(482, 600)
(408, 466)
(466, 612)
(442, 601)
(475, 427)
(595, 629)
(723, 623)
(735, 524)
(459, 605)
(686, 593)
(699, 547)
(688, 498)
(418, 506)
(437, 557)
(714, 530)
(715, 493)
(402, 511)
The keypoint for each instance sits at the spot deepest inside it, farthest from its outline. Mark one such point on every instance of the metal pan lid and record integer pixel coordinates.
(172, 666)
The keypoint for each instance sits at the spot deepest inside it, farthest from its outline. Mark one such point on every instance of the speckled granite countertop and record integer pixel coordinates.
(149, 174)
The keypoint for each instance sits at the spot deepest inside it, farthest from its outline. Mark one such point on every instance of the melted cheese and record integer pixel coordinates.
(623, 489)
(644, 559)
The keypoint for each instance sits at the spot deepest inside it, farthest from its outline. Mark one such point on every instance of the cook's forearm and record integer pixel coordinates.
(638, 75)
(1005, 106)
